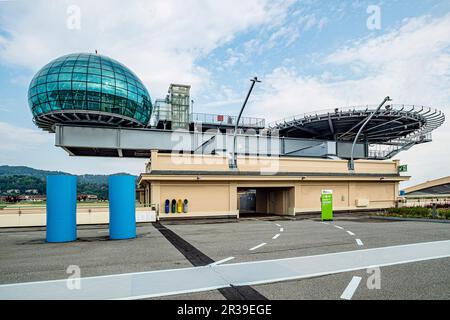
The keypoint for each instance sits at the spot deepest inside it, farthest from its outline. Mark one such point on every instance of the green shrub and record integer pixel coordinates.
(444, 213)
(418, 212)
(411, 211)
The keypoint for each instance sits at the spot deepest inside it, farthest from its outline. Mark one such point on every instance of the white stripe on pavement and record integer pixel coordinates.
(276, 236)
(258, 246)
(277, 225)
(359, 242)
(168, 282)
(351, 288)
(281, 229)
(350, 233)
(339, 227)
(221, 261)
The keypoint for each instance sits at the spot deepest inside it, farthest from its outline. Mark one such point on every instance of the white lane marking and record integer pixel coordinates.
(139, 285)
(339, 227)
(359, 242)
(350, 233)
(351, 288)
(276, 236)
(324, 222)
(221, 261)
(278, 225)
(281, 229)
(258, 246)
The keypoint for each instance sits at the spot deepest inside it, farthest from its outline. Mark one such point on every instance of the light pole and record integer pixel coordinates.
(233, 160)
(351, 163)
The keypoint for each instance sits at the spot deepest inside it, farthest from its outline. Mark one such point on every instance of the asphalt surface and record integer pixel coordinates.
(24, 255)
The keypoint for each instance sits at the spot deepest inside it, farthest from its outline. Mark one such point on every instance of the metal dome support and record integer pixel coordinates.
(351, 163)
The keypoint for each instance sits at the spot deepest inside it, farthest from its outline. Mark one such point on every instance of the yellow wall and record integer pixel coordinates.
(175, 161)
(205, 197)
(212, 194)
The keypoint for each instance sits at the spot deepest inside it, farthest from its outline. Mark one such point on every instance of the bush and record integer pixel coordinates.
(418, 212)
(444, 213)
(413, 211)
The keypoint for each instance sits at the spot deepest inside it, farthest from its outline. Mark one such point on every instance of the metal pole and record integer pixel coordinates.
(351, 163)
(233, 160)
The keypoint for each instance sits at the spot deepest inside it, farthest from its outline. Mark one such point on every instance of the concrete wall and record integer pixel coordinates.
(220, 198)
(205, 199)
(346, 195)
(373, 185)
(36, 217)
(177, 162)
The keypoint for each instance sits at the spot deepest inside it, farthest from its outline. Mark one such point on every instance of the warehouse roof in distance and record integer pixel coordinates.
(438, 187)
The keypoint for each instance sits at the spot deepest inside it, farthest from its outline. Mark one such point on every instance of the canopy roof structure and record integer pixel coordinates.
(435, 187)
(389, 124)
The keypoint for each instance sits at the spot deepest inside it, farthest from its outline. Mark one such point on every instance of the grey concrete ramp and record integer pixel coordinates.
(121, 286)
(186, 280)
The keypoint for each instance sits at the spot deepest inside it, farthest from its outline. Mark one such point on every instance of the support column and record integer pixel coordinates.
(122, 208)
(61, 208)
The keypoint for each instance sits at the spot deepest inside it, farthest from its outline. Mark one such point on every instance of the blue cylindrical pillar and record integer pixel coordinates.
(122, 209)
(61, 208)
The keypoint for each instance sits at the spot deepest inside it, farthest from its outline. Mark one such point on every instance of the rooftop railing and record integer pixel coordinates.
(226, 120)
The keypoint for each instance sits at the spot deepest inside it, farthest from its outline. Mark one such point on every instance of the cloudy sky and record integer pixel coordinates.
(310, 55)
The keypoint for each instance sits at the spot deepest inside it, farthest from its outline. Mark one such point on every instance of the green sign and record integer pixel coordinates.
(403, 168)
(326, 200)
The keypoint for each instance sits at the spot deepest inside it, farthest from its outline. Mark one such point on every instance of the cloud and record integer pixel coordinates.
(17, 138)
(159, 40)
(23, 146)
(411, 64)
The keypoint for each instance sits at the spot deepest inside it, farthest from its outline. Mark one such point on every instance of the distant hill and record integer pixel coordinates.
(25, 178)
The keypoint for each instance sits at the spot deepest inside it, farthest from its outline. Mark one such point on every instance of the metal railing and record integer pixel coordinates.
(226, 120)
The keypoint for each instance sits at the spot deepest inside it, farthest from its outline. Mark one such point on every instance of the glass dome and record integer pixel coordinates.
(85, 88)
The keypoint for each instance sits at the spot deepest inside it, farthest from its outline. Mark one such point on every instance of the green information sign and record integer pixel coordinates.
(403, 168)
(327, 205)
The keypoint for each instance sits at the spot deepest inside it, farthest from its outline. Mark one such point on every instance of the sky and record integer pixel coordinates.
(310, 55)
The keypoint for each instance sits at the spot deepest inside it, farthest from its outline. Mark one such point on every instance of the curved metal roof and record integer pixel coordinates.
(389, 123)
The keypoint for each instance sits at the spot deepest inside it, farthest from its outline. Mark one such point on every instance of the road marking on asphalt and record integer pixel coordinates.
(221, 261)
(324, 222)
(276, 236)
(351, 288)
(149, 284)
(103, 231)
(350, 233)
(281, 229)
(278, 225)
(339, 227)
(359, 242)
(258, 246)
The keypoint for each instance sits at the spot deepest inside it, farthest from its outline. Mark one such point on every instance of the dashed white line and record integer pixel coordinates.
(277, 225)
(339, 227)
(351, 288)
(276, 236)
(324, 222)
(359, 242)
(258, 246)
(281, 229)
(350, 233)
(221, 261)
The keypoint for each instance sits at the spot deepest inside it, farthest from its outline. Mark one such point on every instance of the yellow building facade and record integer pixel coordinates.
(283, 185)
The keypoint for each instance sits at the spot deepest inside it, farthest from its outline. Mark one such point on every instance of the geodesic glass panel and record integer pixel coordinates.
(83, 81)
